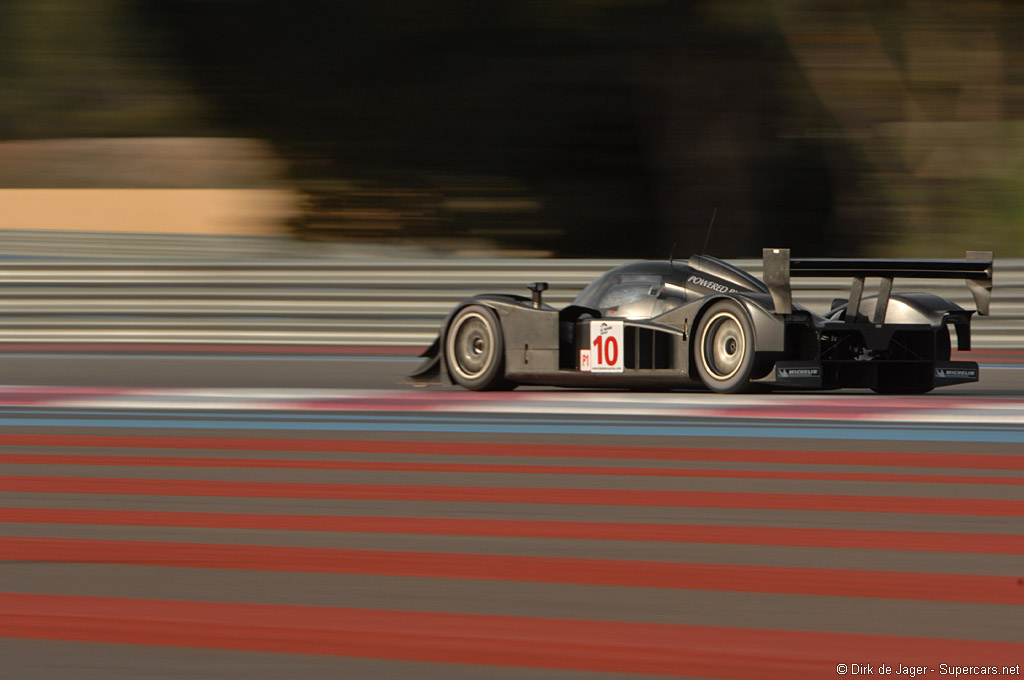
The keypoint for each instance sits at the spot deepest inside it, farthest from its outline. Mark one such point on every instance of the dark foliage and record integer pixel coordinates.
(624, 124)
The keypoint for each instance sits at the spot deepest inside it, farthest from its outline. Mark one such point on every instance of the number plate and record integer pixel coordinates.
(606, 346)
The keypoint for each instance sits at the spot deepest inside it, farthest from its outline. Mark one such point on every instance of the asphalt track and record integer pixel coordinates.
(154, 365)
(364, 528)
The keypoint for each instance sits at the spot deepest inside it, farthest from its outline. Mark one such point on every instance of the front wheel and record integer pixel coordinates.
(475, 350)
(724, 350)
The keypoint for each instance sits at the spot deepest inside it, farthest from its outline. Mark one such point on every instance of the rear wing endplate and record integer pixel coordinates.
(976, 269)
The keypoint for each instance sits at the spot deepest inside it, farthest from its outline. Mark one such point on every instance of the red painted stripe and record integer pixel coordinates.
(148, 348)
(850, 503)
(489, 468)
(527, 642)
(1002, 544)
(483, 494)
(625, 573)
(926, 460)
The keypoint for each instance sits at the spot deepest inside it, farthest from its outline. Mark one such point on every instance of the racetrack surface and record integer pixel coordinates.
(358, 527)
(310, 366)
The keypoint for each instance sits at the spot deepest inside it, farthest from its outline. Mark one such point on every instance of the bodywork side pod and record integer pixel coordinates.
(430, 369)
(976, 269)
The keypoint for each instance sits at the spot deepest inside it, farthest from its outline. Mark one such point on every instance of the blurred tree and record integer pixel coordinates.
(929, 93)
(82, 68)
(583, 127)
(626, 122)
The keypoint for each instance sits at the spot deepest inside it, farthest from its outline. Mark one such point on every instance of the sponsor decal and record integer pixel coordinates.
(956, 373)
(809, 372)
(585, 360)
(713, 285)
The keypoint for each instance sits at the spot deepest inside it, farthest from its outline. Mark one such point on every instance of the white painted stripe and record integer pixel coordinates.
(816, 407)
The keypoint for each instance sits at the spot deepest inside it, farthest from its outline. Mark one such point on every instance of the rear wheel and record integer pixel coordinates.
(475, 350)
(724, 350)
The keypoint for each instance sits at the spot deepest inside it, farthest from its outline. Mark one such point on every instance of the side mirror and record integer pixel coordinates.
(538, 287)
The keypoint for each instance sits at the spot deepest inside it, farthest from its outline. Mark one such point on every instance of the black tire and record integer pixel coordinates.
(723, 347)
(474, 350)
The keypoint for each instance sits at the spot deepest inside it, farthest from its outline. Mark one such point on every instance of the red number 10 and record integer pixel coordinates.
(608, 351)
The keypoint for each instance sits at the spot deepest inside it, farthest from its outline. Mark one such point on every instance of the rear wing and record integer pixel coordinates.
(976, 269)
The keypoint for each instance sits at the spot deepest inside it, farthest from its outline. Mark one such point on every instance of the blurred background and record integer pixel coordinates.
(576, 128)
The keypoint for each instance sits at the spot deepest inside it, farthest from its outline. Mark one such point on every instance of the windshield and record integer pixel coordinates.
(622, 294)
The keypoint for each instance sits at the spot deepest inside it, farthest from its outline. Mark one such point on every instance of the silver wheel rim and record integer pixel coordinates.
(471, 345)
(723, 345)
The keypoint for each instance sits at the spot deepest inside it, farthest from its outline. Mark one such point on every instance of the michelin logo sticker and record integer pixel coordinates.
(956, 373)
(809, 372)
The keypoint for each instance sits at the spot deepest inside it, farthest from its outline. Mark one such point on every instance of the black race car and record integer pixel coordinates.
(663, 325)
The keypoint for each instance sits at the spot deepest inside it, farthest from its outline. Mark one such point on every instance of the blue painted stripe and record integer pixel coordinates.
(726, 429)
(206, 419)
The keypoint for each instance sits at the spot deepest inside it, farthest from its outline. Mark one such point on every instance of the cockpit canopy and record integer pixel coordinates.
(627, 294)
(643, 290)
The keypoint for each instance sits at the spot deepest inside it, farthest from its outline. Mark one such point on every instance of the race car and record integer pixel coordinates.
(656, 325)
